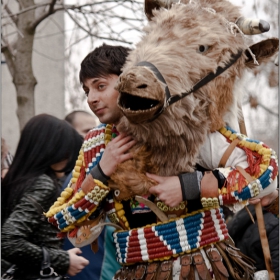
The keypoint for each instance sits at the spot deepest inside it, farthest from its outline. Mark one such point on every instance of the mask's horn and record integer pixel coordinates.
(252, 26)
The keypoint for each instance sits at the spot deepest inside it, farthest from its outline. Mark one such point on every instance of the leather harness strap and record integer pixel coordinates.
(216, 261)
(174, 98)
(201, 267)
(245, 174)
(151, 270)
(187, 271)
(228, 152)
(140, 272)
(165, 270)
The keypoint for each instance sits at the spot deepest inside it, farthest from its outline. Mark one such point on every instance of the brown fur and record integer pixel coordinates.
(169, 145)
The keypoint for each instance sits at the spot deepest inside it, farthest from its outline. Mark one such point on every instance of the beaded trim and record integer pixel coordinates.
(74, 206)
(165, 240)
(81, 209)
(263, 167)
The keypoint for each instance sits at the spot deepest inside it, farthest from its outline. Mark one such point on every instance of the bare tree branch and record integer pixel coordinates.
(10, 14)
(43, 16)
(92, 34)
(27, 9)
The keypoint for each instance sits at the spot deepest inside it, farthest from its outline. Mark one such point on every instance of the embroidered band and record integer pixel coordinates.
(164, 240)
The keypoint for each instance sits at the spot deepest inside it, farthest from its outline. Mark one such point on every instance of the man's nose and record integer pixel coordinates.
(93, 97)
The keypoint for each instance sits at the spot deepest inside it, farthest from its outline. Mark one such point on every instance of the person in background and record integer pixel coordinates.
(246, 237)
(47, 147)
(6, 158)
(82, 121)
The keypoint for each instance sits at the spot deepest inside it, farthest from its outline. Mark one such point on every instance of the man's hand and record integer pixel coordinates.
(116, 152)
(77, 263)
(168, 189)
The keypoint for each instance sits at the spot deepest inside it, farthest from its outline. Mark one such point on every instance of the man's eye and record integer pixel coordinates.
(101, 86)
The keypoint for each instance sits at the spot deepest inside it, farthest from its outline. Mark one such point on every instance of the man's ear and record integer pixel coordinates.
(263, 51)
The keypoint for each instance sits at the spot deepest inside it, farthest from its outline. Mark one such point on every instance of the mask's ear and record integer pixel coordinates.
(150, 5)
(263, 51)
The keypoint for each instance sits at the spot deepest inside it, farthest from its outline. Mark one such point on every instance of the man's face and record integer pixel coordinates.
(102, 98)
(83, 123)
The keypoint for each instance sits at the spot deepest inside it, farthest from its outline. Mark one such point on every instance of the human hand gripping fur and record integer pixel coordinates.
(116, 152)
(77, 263)
(168, 189)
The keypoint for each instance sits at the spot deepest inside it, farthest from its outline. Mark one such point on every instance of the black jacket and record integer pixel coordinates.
(24, 232)
(246, 237)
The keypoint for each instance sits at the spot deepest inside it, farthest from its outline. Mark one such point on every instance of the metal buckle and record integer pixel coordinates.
(6, 276)
(210, 257)
(197, 254)
(169, 266)
(138, 269)
(151, 268)
(42, 273)
(191, 260)
(124, 273)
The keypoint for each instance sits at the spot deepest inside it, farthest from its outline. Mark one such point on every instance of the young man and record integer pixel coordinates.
(104, 149)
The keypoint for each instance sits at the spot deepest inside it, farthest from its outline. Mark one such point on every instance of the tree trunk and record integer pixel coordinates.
(23, 78)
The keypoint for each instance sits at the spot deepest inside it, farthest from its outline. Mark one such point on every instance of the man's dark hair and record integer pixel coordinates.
(103, 61)
(70, 118)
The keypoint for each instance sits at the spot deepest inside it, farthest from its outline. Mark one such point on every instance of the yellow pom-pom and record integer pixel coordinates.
(253, 146)
(118, 206)
(79, 162)
(223, 130)
(120, 213)
(68, 190)
(77, 169)
(74, 180)
(258, 147)
(60, 199)
(233, 137)
(64, 194)
(76, 174)
(227, 133)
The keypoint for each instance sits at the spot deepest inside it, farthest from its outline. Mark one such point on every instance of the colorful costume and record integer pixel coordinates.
(193, 240)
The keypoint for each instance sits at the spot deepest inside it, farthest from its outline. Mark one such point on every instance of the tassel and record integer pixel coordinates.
(74, 232)
(61, 235)
(241, 182)
(231, 180)
(254, 161)
(80, 179)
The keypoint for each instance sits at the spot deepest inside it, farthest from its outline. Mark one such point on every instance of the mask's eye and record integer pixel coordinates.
(203, 48)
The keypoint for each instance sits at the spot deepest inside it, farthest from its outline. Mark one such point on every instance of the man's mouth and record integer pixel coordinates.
(98, 111)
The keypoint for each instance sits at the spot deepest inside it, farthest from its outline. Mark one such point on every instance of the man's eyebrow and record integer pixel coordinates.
(94, 80)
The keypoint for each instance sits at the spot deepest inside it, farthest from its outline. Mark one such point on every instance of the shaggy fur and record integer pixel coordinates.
(185, 43)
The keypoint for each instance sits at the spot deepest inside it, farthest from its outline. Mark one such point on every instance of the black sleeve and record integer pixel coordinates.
(97, 173)
(190, 183)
